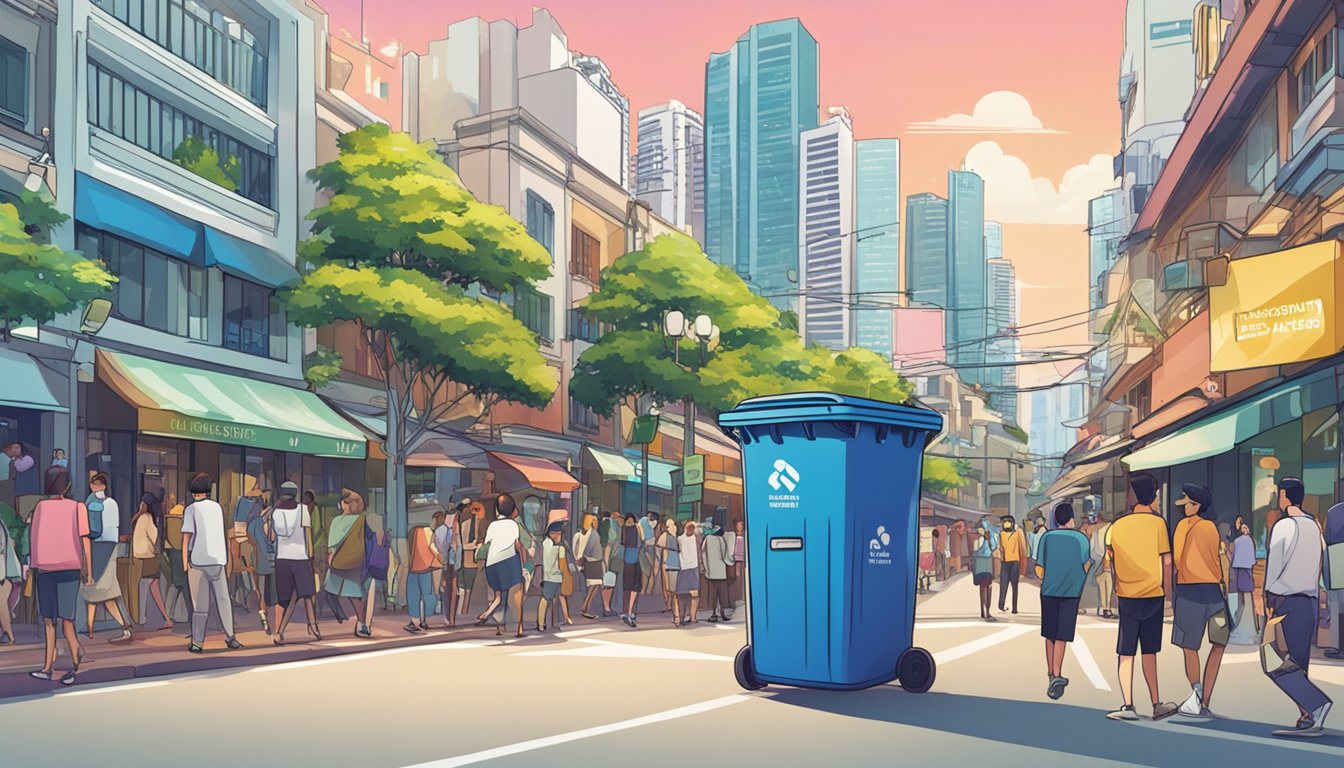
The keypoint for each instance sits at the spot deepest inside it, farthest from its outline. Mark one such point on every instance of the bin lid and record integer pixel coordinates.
(827, 406)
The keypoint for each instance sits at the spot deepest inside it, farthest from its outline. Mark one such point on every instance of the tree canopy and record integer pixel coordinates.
(38, 281)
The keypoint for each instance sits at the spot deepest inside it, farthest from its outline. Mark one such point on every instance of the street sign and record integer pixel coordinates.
(644, 430)
(690, 493)
(693, 467)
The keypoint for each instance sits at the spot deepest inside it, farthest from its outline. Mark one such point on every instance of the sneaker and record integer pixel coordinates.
(234, 645)
(1057, 686)
(121, 639)
(625, 618)
(1310, 726)
(1125, 713)
(412, 628)
(363, 631)
(1163, 710)
(1192, 705)
(194, 648)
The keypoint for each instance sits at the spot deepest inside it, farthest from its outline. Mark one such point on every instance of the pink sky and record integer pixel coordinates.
(891, 63)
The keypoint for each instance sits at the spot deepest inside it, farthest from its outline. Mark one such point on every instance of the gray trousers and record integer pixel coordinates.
(1335, 602)
(1298, 627)
(206, 582)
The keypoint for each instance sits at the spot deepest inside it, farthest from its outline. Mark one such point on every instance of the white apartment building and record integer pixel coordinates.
(826, 231)
(670, 165)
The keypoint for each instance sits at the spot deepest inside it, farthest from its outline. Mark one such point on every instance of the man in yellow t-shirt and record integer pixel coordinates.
(1199, 604)
(1139, 552)
(1012, 552)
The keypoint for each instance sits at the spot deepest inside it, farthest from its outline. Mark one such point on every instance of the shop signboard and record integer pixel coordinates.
(170, 424)
(1276, 309)
(693, 469)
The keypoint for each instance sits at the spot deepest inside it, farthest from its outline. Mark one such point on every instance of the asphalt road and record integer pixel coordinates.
(606, 695)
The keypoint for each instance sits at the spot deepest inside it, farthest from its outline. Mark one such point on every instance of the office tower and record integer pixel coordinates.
(877, 241)
(926, 250)
(670, 165)
(967, 285)
(826, 245)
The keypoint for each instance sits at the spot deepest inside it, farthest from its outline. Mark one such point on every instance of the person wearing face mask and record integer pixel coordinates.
(104, 532)
(1013, 549)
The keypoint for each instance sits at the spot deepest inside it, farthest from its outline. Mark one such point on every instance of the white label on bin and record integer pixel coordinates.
(784, 475)
(879, 552)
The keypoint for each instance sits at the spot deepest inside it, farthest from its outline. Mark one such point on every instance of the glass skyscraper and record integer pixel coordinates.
(967, 317)
(759, 96)
(926, 249)
(877, 240)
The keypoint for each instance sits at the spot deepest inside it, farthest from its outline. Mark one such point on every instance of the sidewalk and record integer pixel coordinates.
(154, 653)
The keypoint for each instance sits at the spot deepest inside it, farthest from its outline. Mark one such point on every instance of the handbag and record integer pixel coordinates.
(566, 577)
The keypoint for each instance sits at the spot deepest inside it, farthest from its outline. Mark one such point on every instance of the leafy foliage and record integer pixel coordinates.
(202, 159)
(38, 215)
(321, 367)
(942, 474)
(395, 203)
(38, 282)
(395, 250)
(1019, 434)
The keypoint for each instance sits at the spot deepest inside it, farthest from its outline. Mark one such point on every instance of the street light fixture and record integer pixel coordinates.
(703, 331)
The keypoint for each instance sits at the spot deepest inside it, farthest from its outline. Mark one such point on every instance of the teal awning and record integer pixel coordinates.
(25, 386)
(660, 472)
(105, 207)
(1223, 431)
(247, 260)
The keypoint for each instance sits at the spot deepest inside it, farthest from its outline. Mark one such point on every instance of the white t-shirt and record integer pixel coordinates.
(500, 538)
(1294, 563)
(111, 521)
(204, 520)
(291, 538)
(690, 553)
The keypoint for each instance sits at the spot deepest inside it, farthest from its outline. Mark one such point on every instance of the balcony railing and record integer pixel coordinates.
(208, 40)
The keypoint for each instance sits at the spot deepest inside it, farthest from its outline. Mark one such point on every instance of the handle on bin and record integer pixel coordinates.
(810, 430)
(882, 431)
(908, 438)
(775, 434)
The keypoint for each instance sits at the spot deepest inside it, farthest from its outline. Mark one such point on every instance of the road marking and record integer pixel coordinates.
(112, 688)
(966, 649)
(1083, 655)
(608, 650)
(587, 733)
(282, 666)
(582, 632)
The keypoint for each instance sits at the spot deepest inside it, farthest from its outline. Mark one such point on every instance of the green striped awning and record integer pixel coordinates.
(194, 404)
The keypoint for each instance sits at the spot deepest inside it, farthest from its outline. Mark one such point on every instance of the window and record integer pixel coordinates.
(533, 308)
(541, 222)
(580, 417)
(582, 327)
(1316, 71)
(127, 112)
(13, 82)
(254, 320)
(217, 45)
(585, 256)
(153, 289)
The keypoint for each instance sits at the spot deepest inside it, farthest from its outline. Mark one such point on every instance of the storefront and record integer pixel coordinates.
(1275, 322)
(537, 485)
(660, 486)
(28, 434)
(604, 472)
(152, 424)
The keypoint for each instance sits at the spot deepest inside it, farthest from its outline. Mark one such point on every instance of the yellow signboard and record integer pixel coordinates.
(1276, 309)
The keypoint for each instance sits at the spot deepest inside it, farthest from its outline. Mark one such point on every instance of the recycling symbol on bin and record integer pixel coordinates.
(882, 540)
(784, 475)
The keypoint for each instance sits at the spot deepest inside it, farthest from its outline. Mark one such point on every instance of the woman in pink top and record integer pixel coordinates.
(60, 552)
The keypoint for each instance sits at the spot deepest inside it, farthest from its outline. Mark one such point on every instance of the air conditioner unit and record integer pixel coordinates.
(1183, 276)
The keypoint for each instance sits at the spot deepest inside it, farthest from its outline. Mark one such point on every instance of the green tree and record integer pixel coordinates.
(321, 367)
(755, 355)
(38, 281)
(942, 474)
(202, 159)
(396, 249)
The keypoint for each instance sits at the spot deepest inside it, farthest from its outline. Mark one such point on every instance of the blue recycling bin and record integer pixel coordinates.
(831, 516)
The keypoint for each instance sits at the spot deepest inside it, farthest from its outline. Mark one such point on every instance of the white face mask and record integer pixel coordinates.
(101, 494)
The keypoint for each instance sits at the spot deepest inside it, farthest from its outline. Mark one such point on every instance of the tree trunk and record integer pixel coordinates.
(397, 514)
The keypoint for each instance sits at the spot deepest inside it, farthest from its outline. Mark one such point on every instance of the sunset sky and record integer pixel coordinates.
(904, 68)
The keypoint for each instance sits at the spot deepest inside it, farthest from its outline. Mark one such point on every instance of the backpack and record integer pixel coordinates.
(350, 552)
(379, 555)
(94, 505)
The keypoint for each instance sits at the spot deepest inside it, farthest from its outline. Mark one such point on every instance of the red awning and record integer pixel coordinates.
(541, 474)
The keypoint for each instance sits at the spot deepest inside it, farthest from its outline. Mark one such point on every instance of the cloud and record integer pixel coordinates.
(1014, 196)
(391, 49)
(995, 112)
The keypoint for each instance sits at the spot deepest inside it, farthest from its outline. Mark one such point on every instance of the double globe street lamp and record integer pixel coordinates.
(702, 330)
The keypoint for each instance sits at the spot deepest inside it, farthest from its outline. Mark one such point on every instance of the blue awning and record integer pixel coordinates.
(105, 207)
(247, 260)
(25, 387)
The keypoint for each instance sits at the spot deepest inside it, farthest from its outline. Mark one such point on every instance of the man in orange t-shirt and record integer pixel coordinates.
(1013, 552)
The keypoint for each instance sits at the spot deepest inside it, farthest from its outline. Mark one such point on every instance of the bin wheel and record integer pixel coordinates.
(745, 670)
(916, 670)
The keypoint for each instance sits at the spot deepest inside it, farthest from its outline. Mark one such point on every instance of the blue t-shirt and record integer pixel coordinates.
(1062, 553)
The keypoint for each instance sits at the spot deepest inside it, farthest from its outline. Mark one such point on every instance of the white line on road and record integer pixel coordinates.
(1083, 655)
(288, 665)
(587, 733)
(583, 632)
(966, 649)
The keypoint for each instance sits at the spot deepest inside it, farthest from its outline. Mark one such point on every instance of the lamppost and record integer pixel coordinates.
(705, 333)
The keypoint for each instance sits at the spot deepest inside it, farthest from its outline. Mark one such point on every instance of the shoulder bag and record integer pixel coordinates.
(566, 578)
